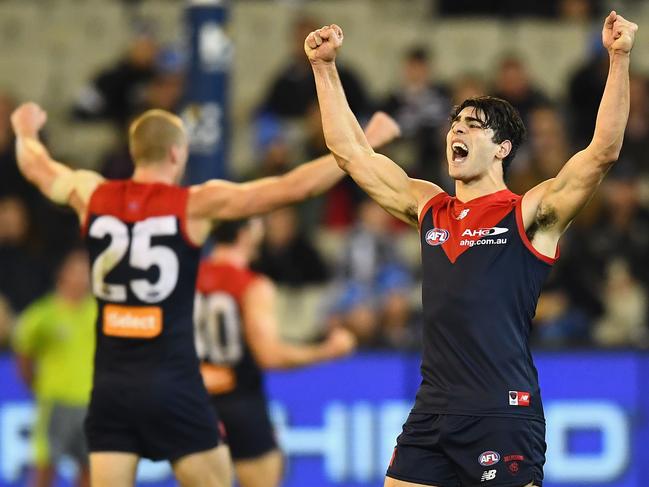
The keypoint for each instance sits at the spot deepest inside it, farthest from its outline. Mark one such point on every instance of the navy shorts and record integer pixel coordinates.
(249, 432)
(452, 451)
(166, 421)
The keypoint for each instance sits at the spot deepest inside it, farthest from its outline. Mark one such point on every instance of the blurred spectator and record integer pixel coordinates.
(557, 321)
(373, 285)
(292, 92)
(272, 147)
(369, 247)
(421, 107)
(6, 323)
(614, 251)
(163, 90)
(117, 93)
(11, 181)
(54, 343)
(354, 309)
(548, 150)
(24, 274)
(585, 92)
(286, 255)
(513, 84)
(624, 322)
(566, 9)
(468, 85)
(396, 314)
(578, 10)
(635, 151)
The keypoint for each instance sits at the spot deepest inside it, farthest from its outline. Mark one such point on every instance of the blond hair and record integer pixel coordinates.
(152, 134)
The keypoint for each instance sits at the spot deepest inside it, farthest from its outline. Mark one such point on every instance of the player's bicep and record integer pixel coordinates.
(389, 185)
(571, 190)
(83, 186)
(224, 200)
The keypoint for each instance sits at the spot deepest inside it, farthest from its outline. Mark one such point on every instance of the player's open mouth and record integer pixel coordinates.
(460, 151)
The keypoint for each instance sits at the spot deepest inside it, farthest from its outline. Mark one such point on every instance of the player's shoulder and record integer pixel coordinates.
(214, 276)
(138, 198)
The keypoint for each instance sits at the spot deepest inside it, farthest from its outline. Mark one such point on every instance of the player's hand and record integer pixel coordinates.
(340, 342)
(28, 119)
(618, 34)
(321, 45)
(381, 129)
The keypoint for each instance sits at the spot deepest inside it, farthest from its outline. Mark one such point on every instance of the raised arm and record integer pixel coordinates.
(549, 208)
(376, 174)
(223, 200)
(56, 181)
(260, 322)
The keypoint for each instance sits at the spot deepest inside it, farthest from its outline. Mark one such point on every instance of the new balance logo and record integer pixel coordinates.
(488, 475)
(519, 398)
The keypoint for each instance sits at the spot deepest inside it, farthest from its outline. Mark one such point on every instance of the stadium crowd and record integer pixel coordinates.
(597, 294)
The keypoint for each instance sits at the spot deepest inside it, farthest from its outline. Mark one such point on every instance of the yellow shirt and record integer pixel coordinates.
(60, 338)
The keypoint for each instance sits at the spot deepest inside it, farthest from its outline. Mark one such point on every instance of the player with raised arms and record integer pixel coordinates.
(144, 236)
(478, 416)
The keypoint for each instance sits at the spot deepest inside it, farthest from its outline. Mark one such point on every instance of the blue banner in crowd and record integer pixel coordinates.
(337, 422)
(205, 108)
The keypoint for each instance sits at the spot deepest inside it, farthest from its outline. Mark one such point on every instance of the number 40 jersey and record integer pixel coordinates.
(144, 271)
(227, 364)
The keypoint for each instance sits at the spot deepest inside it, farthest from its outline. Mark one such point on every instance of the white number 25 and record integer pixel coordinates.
(143, 256)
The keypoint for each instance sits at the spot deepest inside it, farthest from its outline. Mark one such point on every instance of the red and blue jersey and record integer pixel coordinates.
(481, 282)
(143, 275)
(227, 363)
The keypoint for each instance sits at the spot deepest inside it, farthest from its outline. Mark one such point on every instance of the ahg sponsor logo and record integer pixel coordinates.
(483, 232)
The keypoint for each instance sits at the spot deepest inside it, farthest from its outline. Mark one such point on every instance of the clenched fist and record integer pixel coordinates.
(340, 342)
(28, 119)
(321, 45)
(618, 33)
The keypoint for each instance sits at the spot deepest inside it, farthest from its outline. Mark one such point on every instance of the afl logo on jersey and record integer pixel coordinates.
(436, 236)
(489, 458)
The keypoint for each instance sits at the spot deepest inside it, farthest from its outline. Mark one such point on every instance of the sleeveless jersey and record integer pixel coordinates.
(481, 282)
(227, 363)
(143, 275)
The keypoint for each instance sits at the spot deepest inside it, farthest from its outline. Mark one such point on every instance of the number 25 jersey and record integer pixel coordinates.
(143, 275)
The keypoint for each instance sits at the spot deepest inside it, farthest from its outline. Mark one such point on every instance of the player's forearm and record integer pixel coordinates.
(318, 176)
(36, 165)
(343, 134)
(613, 109)
(313, 178)
(288, 356)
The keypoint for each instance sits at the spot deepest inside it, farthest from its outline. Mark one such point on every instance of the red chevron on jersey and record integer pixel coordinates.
(459, 226)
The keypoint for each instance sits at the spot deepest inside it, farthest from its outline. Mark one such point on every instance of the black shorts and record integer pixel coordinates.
(452, 450)
(163, 422)
(249, 432)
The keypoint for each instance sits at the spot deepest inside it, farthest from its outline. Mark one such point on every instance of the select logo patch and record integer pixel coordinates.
(519, 398)
(132, 321)
(436, 236)
(488, 458)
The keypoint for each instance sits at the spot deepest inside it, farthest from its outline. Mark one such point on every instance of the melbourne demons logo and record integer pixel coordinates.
(436, 236)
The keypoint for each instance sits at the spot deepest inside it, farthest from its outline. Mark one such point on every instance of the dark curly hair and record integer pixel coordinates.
(500, 116)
